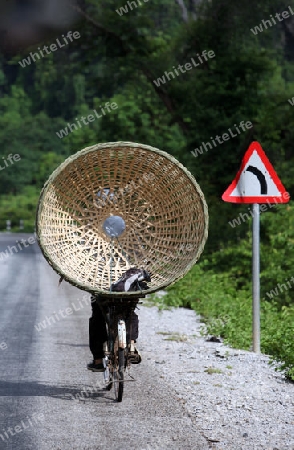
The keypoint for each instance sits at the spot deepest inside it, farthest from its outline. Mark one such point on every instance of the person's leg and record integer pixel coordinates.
(132, 326)
(97, 336)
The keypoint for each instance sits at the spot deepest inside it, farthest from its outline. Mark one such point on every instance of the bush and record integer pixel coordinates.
(277, 337)
(19, 207)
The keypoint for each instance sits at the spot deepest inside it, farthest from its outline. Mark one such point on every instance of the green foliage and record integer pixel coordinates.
(19, 207)
(277, 337)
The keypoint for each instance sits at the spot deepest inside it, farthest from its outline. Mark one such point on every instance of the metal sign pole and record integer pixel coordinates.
(255, 278)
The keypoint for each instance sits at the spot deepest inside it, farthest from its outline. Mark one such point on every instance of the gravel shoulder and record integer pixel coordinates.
(235, 398)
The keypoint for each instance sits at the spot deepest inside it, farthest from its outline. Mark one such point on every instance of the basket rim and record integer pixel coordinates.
(112, 145)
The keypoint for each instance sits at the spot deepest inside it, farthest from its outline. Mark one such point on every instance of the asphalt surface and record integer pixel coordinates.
(48, 399)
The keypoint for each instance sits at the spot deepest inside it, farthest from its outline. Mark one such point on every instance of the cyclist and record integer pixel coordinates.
(132, 280)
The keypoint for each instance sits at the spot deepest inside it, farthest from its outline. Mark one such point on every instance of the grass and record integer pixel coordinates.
(211, 370)
(176, 337)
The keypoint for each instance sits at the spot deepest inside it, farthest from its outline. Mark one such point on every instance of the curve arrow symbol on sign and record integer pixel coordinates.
(261, 178)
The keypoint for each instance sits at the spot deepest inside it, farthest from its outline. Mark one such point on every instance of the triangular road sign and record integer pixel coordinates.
(256, 181)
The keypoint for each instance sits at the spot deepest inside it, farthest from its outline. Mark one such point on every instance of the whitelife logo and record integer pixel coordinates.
(53, 47)
(9, 158)
(8, 432)
(125, 10)
(243, 217)
(225, 136)
(13, 249)
(281, 287)
(259, 28)
(3, 345)
(74, 127)
(63, 313)
(188, 66)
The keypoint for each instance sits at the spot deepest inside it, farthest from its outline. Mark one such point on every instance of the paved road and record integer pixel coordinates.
(48, 400)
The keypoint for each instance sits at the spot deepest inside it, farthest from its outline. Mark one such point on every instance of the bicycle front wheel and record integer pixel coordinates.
(118, 375)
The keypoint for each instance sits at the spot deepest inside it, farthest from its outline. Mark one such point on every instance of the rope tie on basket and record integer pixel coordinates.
(123, 252)
(129, 263)
(127, 259)
(110, 264)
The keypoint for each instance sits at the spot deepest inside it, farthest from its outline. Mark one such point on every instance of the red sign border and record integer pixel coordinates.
(258, 199)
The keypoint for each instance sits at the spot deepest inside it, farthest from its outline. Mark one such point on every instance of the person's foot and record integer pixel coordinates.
(134, 354)
(96, 366)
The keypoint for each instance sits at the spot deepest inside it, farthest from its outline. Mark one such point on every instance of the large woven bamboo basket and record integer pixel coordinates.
(161, 204)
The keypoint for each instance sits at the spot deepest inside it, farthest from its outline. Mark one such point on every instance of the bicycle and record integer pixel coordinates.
(118, 351)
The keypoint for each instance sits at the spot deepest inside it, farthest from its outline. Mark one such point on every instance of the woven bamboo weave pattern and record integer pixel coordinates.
(164, 210)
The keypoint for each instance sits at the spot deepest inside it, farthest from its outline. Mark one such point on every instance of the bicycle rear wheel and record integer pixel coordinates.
(118, 375)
